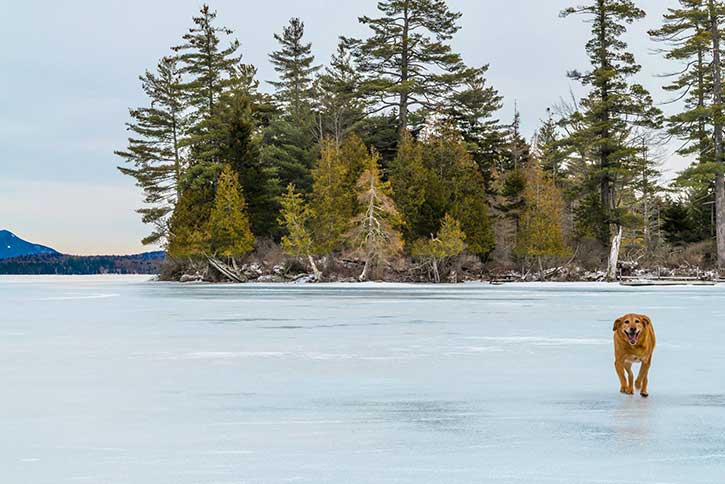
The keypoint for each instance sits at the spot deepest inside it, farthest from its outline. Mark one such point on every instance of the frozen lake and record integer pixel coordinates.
(112, 380)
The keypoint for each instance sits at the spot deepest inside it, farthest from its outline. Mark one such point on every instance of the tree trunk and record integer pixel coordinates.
(717, 129)
(404, 69)
(720, 219)
(605, 182)
(224, 269)
(614, 254)
(436, 274)
(364, 275)
(541, 269)
(315, 271)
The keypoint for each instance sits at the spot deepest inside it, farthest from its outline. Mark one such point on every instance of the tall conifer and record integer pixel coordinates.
(154, 150)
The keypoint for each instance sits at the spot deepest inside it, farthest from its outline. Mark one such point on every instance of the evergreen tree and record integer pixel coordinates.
(294, 219)
(331, 203)
(239, 146)
(716, 12)
(449, 242)
(550, 151)
(289, 140)
(613, 115)
(374, 235)
(408, 177)
(686, 32)
(382, 133)
(338, 103)
(154, 149)
(294, 65)
(693, 33)
(472, 110)
(229, 231)
(540, 232)
(407, 61)
(189, 223)
(209, 68)
(515, 150)
(454, 185)
(355, 155)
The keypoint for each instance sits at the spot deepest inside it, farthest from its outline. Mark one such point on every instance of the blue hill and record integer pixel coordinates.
(13, 246)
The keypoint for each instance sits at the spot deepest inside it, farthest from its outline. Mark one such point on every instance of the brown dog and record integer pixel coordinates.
(634, 341)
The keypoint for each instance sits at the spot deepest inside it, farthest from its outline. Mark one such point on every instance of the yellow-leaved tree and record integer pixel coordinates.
(294, 219)
(229, 230)
(540, 228)
(374, 235)
(450, 241)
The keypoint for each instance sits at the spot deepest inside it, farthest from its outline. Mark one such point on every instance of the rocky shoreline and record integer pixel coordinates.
(403, 270)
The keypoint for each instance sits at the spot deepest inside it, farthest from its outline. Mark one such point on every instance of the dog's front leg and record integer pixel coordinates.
(619, 367)
(642, 379)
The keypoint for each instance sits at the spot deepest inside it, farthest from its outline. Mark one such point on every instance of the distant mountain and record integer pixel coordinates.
(13, 246)
(55, 263)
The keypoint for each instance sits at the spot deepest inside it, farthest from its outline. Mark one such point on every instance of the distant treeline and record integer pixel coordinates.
(394, 150)
(148, 263)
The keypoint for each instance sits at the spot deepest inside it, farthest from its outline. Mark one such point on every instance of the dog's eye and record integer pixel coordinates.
(626, 321)
(636, 321)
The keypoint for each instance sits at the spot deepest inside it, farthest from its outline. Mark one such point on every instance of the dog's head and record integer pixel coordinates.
(631, 326)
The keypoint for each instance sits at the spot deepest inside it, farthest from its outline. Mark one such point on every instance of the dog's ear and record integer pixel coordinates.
(646, 320)
(617, 324)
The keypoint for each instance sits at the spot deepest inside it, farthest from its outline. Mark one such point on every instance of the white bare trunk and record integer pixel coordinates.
(614, 254)
(436, 274)
(315, 271)
(364, 275)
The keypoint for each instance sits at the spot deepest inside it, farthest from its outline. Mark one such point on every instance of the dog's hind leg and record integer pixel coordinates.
(642, 378)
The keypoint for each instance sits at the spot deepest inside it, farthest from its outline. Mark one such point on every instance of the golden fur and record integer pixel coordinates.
(634, 341)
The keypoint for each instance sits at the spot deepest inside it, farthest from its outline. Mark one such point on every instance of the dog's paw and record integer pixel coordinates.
(644, 394)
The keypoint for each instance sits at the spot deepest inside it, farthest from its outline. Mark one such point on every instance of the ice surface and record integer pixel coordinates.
(118, 380)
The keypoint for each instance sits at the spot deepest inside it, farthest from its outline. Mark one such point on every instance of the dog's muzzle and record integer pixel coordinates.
(632, 335)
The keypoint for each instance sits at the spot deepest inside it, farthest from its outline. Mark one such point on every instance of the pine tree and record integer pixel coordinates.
(294, 65)
(686, 32)
(540, 231)
(229, 230)
(338, 103)
(154, 149)
(209, 68)
(716, 12)
(693, 33)
(407, 61)
(615, 112)
(472, 111)
(331, 204)
(294, 219)
(549, 149)
(449, 242)
(374, 235)
(289, 140)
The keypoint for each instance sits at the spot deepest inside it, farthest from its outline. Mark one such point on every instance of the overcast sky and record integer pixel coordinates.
(69, 71)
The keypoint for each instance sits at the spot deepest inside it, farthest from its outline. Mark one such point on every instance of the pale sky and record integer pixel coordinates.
(69, 71)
